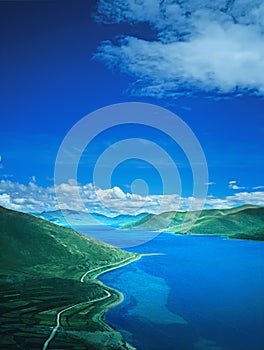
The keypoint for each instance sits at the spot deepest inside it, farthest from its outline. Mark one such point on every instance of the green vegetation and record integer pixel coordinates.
(244, 222)
(43, 266)
(40, 275)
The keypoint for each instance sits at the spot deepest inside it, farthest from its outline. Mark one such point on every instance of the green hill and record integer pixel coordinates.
(40, 274)
(244, 222)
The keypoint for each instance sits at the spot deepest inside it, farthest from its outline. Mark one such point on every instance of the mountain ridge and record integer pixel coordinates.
(82, 218)
(243, 222)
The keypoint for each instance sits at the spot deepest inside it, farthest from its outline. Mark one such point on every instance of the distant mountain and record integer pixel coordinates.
(41, 266)
(244, 222)
(86, 219)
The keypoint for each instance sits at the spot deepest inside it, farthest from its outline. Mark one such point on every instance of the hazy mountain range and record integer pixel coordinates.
(75, 218)
(244, 222)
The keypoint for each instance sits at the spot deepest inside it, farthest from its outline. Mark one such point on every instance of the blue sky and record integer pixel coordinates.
(62, 60)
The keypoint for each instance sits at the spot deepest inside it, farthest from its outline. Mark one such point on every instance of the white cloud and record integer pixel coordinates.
(233, 185)
(240, 198)
(258, 188)
(28, 198)
(111, 202)
(210, 45)
(5, 200)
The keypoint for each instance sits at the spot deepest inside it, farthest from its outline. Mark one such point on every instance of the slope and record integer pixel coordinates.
(40, 274)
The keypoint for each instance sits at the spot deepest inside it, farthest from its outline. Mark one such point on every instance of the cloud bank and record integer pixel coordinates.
(213, 46)
(110, 202)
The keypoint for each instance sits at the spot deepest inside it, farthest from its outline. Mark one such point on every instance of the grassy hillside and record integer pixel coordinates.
(40, 269)
(245, 222)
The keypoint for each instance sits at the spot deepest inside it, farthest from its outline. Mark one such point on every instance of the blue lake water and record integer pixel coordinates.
(204, 293)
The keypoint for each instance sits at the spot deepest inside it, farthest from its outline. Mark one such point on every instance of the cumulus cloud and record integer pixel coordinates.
(240, 198)
(214, 46)
(111, 202)
(27, 198)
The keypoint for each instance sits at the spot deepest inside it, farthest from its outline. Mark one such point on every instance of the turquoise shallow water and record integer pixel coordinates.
(203, 293)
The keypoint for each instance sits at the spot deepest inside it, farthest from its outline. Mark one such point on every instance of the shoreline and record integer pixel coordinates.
(102, 309)
(109, 289)
(230, 237)
(120, 297)
(110, 267)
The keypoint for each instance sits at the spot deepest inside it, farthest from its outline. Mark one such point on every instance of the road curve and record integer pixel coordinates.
(108, 294)
(58, 318)
(111, 267)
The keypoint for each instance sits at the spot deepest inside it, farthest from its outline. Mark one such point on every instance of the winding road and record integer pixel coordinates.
(111, 267)
(108, 294)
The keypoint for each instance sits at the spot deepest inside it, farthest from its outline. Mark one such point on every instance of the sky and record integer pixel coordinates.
(61, 61)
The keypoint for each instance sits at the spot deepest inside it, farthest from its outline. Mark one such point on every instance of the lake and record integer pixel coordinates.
(204, 293)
